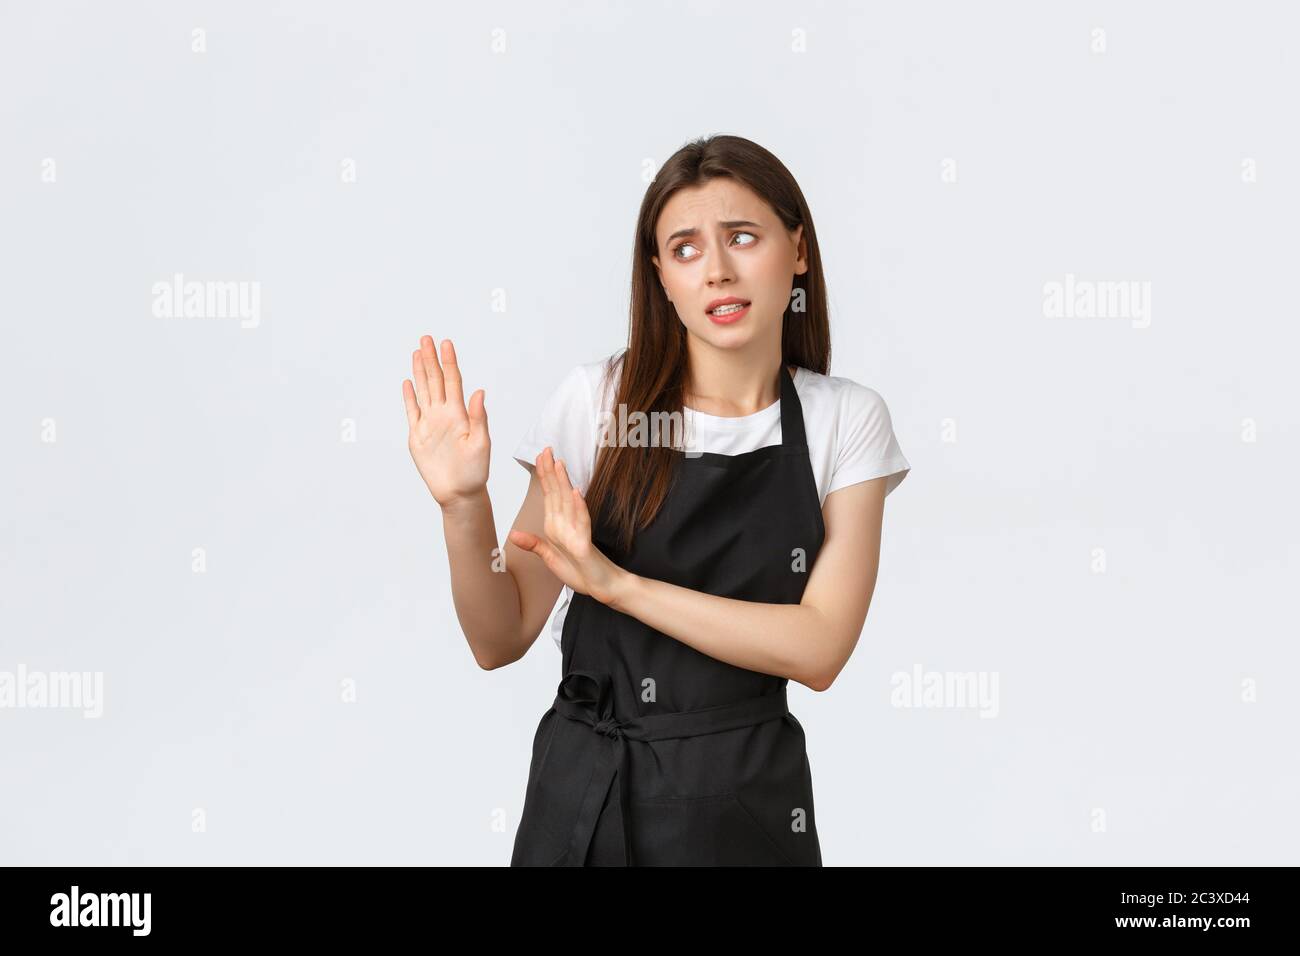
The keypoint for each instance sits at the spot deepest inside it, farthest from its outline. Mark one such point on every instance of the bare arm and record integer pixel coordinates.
(809, 642)
(502, 605)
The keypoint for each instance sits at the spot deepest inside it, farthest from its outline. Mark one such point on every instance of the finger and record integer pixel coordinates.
(478, 412)
(412, 408)
(553, 486)
(533, 544)
(564, 490)
(523, 539)
(433, 370)
(451, 375)
(420, 378)
(581, 517)
(544, 476)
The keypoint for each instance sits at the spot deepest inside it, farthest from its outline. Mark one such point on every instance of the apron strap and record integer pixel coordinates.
(793, 435)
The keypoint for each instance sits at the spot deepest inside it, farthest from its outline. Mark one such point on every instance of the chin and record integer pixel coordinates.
(726, 339)
(724, 336)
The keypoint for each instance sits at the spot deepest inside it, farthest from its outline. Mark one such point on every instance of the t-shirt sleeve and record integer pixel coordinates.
(566, 422)
(865, 444)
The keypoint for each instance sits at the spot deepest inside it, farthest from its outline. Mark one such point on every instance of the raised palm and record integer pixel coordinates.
(449, 443)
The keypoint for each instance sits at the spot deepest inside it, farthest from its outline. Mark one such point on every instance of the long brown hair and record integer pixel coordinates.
(630, 483)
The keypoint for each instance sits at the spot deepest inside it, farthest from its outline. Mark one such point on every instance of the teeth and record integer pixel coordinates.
(724, 309)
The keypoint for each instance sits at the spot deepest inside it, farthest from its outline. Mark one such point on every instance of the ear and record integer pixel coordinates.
(659, 272)
(800, 250)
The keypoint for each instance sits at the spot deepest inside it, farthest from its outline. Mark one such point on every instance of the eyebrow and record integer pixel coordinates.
(693, 231)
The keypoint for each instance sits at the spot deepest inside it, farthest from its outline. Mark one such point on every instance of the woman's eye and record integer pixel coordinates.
(752, 237)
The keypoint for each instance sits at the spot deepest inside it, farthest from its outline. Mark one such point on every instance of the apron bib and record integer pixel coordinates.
(654, 754)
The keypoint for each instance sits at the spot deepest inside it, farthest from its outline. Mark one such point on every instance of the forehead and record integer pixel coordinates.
(721, 198)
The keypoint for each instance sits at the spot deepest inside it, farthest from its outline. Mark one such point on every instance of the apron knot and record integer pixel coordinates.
(587, 697)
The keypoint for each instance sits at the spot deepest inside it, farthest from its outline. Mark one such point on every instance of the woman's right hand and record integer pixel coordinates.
(450, 446)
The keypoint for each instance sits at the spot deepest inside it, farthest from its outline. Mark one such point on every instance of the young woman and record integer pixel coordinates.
(702, 572)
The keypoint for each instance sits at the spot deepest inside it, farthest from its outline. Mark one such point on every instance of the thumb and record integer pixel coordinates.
(478, 409)
(542, 548)
(527, 541)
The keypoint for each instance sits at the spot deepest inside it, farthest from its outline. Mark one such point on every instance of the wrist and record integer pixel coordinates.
(463, 505)
(622, 591)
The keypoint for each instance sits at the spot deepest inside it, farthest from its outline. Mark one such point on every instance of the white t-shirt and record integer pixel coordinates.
(849, 430)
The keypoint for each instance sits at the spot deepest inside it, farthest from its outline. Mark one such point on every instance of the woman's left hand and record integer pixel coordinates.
(567, 548)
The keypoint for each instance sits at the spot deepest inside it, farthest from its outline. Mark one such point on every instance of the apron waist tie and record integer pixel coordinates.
(585, 696)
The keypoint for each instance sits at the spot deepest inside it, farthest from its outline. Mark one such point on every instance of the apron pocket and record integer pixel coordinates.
(713, 830)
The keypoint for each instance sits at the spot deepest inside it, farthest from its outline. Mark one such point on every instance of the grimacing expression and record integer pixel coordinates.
(723, 240)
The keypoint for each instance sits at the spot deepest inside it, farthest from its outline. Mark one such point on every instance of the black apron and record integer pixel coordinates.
(654, 754)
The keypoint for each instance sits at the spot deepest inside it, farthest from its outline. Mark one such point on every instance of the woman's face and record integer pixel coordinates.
(720, 241)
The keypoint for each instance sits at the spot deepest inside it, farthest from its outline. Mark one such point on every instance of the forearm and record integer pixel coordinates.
(787, 640)
(484, 593)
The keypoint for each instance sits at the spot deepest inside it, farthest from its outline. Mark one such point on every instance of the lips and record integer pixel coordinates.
(735, 312)
(729, 300)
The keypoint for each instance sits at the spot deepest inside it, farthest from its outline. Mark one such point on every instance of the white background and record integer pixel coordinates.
(1121, 693)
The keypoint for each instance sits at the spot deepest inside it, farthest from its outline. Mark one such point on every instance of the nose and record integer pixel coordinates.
(720, 270)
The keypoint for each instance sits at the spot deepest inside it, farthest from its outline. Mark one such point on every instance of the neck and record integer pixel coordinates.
(731, 383)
